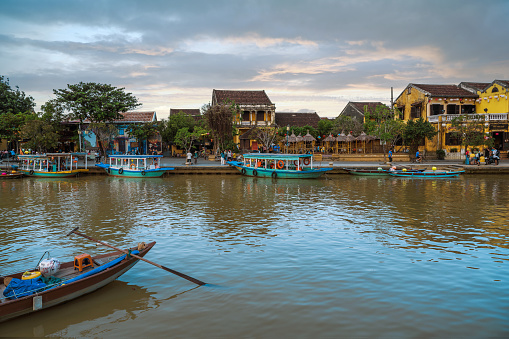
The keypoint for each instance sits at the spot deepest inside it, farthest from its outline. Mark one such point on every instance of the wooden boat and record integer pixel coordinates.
(426, 174)
(52, 165)
(135, 166)
(8, 174)
(288, 166)
(74, 283)
(378, 171)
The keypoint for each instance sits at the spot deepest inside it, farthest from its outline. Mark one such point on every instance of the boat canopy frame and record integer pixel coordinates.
(41, 162)
(253, 160)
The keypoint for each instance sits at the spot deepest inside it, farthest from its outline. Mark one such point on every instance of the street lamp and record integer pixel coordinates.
(287, 132)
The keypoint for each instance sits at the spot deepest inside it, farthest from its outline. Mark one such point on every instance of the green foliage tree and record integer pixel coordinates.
(185, 138)
(169, 128)
(220, 120)
(325, 127)
(347, 124)
(384, 124)
(98, 103)
(470, 130)
(416, 132)
(40, 134)
(143, 131)
(15, 109)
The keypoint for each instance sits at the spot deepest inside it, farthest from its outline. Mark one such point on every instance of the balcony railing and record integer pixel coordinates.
(487, 117)
(255, 123)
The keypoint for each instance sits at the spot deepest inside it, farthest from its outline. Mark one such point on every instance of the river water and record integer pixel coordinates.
(342, 256)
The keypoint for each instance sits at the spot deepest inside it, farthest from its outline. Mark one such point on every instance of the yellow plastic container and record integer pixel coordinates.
(481, 159)
(30, 275)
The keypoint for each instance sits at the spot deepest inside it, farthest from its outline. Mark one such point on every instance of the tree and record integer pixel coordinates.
(346, 124)
(15, 109)
(416, 132)
(383, 124)
(169, 128)
(186, 138)
(470, 130)
(220, 122)
(143, 131)
(267, 136)
(98, 103)
(325, 127)
(41, 135)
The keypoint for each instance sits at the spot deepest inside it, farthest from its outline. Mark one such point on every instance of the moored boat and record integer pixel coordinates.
(8, 174)
(288, 166)
(27, 292)
(427, 174)
(135, 166)
(52, 165)
(380, 171)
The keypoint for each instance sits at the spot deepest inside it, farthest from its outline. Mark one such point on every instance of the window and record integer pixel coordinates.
(260, 115)
(120, 131)
(494, 90)
(436, 109)
(245, 116)
(409, 90)
(453, 109)
(452, 139)
(468, 109)
(415, 112)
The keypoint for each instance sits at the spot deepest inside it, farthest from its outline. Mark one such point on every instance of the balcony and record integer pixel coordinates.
(255, 123)
(487, 117)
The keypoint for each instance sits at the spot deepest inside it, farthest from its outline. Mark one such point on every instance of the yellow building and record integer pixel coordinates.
(440, 104)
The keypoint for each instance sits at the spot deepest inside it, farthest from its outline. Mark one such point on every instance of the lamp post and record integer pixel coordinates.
(287, 132)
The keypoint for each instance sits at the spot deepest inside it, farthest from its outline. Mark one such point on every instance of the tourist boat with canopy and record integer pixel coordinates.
(292, 166)
(135, 166)
(53, 283)
(52, 165)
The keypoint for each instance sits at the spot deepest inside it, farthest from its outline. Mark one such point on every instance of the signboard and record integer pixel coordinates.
(498, 127)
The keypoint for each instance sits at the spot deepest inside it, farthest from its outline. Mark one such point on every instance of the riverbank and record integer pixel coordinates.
(207, 167)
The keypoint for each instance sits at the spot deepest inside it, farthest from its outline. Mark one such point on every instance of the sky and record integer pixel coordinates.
(308, 56)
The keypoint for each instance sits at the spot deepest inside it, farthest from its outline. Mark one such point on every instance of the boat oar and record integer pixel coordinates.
(182, 275)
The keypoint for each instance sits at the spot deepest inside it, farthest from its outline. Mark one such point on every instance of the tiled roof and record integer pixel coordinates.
(476, 86)
(241, 97)
(297, 119)
(503, 83)
(138, 117)
(188, 111)
(360, 105)
(444, 91)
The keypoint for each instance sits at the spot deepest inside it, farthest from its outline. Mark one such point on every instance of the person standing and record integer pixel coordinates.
(195, 157)
(189, 156)
(222, 157)
(390, 155)
(494, 153)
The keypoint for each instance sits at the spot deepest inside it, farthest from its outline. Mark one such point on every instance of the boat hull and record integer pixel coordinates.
(60, 174)
(14, 308)
(129, 173)
(367, 172)
(281, 174)
(432, 175)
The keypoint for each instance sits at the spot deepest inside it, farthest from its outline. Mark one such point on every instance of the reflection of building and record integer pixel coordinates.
(440, 104)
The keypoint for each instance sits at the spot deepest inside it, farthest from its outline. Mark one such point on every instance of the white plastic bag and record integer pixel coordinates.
(49, 267)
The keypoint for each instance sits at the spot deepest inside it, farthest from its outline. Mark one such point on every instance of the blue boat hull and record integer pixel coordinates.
(281, 173)
(135, 173)
(427, 174)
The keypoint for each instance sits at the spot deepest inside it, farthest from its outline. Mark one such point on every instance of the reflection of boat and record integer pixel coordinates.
(433, 174)
(67, 283)
(297, 166)
(379, 171)
(53, 165)
(135, 166)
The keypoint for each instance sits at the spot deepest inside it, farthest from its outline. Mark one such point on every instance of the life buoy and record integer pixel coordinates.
(274, 175)
(280, 164)
(307, 161)
(255, 173)
(132, 166)
(120, 170)
(243, 171)
(142, 172)
(31, 172)
(295, 162)
(109, 170)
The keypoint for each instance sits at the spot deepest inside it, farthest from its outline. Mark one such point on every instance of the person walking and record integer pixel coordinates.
(222, 157)
(390, 155)
(195, 157)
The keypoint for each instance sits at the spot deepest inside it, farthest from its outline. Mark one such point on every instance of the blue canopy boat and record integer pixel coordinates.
(135, 166)
(433, 174)
(289, 166)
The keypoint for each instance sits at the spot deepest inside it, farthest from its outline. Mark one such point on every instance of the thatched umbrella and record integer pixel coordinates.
(298, 139)
(341, 137)
(349, 139)
(363, 137)
(328, 140)
(293, 139)
(309, 138)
